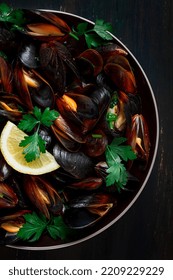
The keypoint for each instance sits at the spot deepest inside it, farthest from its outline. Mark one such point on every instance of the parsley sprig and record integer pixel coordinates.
(116, 153)
(34, 144)
(12, 16)
(95, 36)
(36, 225)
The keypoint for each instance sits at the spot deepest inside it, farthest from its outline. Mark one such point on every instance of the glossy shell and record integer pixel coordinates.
(151, 114)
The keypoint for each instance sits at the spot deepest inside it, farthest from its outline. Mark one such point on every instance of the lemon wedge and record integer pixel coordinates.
(9, 144)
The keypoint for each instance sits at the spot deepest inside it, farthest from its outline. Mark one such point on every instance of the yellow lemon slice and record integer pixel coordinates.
(9, 144)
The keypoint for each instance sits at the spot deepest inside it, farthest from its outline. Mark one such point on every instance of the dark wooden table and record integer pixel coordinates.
(146, 230)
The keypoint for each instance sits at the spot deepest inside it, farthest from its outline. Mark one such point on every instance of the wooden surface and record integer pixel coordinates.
(146, 230)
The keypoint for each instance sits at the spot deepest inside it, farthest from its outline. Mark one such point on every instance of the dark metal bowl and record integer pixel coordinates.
(151, 115)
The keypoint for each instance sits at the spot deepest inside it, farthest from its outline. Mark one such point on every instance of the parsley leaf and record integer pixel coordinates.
(93, 40)
(95, 36)
(81, 28)
(115, 153)
(48, 116)
(118, 171)
(124, 151)
(28, 123)
(101, 27)
(37, 113)
(33, 228)
(34, 144)
(36, 225)
(5, 10)
(14, 16)
(57, 228)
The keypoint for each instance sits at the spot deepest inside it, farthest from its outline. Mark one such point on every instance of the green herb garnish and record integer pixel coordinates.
(13, 16)
(56, 228)
(114, 100)
(101, 27)
(34, 144)
(96, 136)
(115, 153)
(111, 118)
(95, 36)
(35, 225)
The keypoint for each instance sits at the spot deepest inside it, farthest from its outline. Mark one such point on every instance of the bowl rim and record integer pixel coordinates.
(97, 232)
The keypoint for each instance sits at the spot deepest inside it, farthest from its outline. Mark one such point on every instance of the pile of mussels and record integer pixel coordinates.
(47, 70)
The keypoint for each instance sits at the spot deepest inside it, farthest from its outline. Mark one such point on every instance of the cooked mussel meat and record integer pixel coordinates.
(138, 137)
(22, 86)
(122, 78)
(8, 198)
(43, 195)
(40, 90)
(61, 131)
(86, 210)
(10, 105)
(121, 110)
(33, 87)
(96, 143)
(90, 63)
(87, 184)
(101, 97)
(6, 78)
(54, 19)
(111, 49)
(119, 71)
(5, 169)
(46, 26)
(97, 95)
(77, 107)
(10, 225)
(116, 116)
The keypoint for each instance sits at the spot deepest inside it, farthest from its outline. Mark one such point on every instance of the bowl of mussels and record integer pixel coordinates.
(78, 128)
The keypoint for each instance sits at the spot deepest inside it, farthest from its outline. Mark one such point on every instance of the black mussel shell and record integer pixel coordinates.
(29, 55)
(77, 164)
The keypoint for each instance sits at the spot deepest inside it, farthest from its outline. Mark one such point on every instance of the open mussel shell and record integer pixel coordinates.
(45, 25)
(5, 75)
(86, 210)
(90, 63)
(5, 169)
(8, 198)
(149, 110)
(10, 225)
(54, 19)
